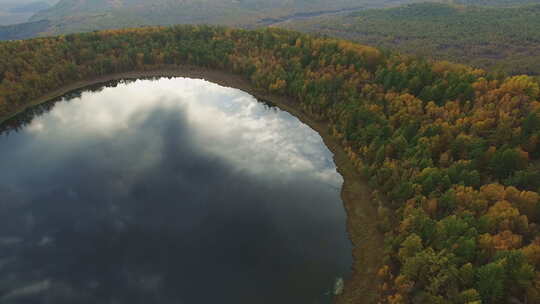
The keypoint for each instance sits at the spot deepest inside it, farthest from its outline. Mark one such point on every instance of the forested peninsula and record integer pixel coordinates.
(450, 152)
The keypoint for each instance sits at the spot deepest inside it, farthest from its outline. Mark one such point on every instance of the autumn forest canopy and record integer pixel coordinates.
(452, 152)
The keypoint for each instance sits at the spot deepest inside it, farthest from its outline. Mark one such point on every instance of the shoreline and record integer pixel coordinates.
(367, 241)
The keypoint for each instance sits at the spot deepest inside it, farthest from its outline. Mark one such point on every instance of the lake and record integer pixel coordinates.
(169, 190)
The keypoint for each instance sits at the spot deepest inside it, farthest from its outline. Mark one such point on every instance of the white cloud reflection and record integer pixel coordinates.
(226, 122)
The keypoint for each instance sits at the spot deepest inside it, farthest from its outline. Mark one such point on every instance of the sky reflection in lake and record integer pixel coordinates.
(168, 191)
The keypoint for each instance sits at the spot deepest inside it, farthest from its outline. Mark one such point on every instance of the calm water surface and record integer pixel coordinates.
(168, 191)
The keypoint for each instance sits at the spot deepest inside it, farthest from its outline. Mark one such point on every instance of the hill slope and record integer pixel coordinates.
(495, 3)
(23, 30)
(507, 39)
(70, 16)
(13, 11)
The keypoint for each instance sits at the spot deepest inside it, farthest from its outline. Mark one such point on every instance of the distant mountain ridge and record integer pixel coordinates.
(20, 11)
(211, 9)
(70, 16)
(501, 3)
(32, 7)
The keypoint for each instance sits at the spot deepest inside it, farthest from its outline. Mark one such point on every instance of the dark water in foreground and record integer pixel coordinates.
(168, 191)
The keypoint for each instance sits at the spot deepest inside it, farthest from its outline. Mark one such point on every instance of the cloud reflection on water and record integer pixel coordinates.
(178, 182)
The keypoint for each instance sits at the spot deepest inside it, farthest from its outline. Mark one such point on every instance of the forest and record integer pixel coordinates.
(452, 153)
(503, 39)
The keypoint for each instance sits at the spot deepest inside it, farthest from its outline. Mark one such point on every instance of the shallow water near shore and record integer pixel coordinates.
(171, 191)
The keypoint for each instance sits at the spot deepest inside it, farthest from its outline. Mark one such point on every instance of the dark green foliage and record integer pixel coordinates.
(505, 162)
(490, 280)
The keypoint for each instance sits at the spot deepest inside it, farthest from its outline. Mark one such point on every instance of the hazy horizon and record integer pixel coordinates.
(21, 2)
